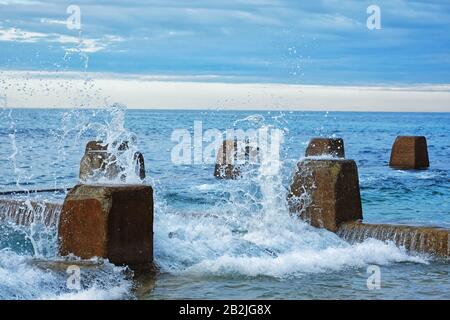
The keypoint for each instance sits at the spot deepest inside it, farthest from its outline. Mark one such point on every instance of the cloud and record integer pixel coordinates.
(238, 38)
(20, 2)
(13, 34)
(81, 44)
(53, 21)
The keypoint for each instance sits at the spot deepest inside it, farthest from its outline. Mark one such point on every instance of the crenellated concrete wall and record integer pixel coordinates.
(116, 221)
(326, 194)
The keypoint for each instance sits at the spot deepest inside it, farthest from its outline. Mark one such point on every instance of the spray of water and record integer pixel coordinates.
(21, 246)
(249, 232)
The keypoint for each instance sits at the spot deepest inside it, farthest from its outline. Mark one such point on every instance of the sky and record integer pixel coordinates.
(296, 43)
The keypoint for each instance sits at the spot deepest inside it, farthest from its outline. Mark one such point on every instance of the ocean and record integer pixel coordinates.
(228, 239)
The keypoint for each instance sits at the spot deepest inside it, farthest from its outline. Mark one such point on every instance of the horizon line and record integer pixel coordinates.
(50, 90)
(209, 78)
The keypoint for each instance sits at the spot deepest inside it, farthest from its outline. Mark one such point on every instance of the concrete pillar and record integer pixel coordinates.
(326, 193)
(231, 156)
(409, 152)
(226, 167)
(326, 146)
(97, 161)
(109, 221)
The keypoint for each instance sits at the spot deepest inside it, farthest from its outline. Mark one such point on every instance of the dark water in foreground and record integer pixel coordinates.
(232, 239)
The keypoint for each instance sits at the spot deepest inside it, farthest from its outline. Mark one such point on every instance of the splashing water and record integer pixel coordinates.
(250, 232)
(105, 125)
(256, 120)
(25, 278)
(115, 136)
(21, 275)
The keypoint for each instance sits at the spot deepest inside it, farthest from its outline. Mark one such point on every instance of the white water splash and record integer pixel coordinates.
(114, 135)
(251, 233)
(22, 278)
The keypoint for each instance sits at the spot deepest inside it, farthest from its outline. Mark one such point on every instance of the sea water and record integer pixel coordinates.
(228, 239)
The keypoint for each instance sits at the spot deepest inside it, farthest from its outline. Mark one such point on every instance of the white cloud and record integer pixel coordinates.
(53, 21)
(20, 2)
(82, 44)
(14, 34)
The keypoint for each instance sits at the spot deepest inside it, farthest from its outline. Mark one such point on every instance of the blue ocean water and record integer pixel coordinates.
(231, 239)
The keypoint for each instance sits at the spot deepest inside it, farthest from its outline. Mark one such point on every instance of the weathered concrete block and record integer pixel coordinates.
(326, 193)
(430, 240)
(225, 162)
(113, 222)
(409, 152)
(326, 146)
(231, 155)
(97, 161)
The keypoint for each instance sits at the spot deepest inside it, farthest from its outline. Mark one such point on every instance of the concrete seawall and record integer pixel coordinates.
(326, 194)
(116, 221)
(435, 241)
(26, 212)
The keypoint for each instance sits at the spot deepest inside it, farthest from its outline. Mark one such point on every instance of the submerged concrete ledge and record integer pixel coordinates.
(430, 240)
(25, 213)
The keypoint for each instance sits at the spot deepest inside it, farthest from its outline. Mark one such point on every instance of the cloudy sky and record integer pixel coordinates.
(320, 42)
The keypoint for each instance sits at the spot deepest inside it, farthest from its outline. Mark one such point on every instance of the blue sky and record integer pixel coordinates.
(298, 42)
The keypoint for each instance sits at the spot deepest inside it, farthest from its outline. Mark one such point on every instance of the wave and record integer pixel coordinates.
(22, 278)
